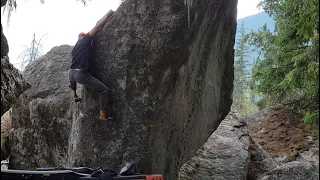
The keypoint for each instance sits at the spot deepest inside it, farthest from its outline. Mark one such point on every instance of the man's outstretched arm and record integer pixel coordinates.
(100, 24)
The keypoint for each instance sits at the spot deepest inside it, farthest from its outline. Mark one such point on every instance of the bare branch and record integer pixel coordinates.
(12, 4)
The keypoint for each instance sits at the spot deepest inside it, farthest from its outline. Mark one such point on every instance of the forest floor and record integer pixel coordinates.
(284, 135)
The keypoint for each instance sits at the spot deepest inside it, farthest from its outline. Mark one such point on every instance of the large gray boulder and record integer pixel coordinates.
(42, 118)
(171, 85)
(171, 89)
(224, 156)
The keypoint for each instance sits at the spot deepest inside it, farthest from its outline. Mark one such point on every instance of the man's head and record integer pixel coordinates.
(81, 35)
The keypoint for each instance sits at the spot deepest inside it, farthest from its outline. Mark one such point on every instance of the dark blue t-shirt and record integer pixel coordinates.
(81, 53)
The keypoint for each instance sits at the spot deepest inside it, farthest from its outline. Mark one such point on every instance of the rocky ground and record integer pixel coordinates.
(224, 156)
(274, 144)
(284, 135)
(282, 146)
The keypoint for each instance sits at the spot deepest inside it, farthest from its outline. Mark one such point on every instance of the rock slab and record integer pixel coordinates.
(224, 156)
(295, 170)
(12, 84)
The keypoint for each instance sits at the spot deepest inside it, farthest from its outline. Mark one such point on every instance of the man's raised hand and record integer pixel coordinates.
(100, 23)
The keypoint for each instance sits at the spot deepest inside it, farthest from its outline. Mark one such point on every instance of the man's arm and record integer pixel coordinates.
(100, 23)
(73, 86)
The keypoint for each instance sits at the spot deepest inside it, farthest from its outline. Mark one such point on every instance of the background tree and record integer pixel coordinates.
(31, 52)
(288, 70)
(242, 100)
(12, 5)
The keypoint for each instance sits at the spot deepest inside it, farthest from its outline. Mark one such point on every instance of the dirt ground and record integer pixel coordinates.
(284, 135)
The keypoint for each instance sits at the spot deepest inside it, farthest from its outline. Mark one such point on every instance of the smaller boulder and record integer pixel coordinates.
(224, 156)
(295, 170)
(260, 161)
(12, 84)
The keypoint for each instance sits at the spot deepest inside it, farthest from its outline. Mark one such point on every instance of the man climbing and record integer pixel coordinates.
(79, 70)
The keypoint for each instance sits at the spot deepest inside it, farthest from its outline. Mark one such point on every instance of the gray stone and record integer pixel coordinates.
(4, 44)
(224, 156)
(259, 116)
(42, 116)
(260, 161)
(6, 126)
(171, 89)
(295, 170)
(3, 2)
(310, 155)
(171, 84)
(12, 84)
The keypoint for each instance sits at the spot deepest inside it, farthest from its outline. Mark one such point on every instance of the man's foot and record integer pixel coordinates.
(105, 116)
(102, 115)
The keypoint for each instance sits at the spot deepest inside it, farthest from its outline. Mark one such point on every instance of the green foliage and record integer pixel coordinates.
(288, 69)
(242, 101)
(313, 119)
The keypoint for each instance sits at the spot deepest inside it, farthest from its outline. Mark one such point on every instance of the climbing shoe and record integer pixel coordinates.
(105, 115)
(102, 115)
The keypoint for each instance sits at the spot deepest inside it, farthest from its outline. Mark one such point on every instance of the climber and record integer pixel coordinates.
(79, 70)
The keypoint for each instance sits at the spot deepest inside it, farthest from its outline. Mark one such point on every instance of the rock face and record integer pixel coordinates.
(294, 170)
(224, 156)
(260, 161)
(171, 84)
(283, 137)
(3, 2)
(4, 44)
(259, 116)
(12, 83)
(6, 126)
(171, 89)
(42, 116)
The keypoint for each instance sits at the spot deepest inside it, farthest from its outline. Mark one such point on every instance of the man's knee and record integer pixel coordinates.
(106, 90)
